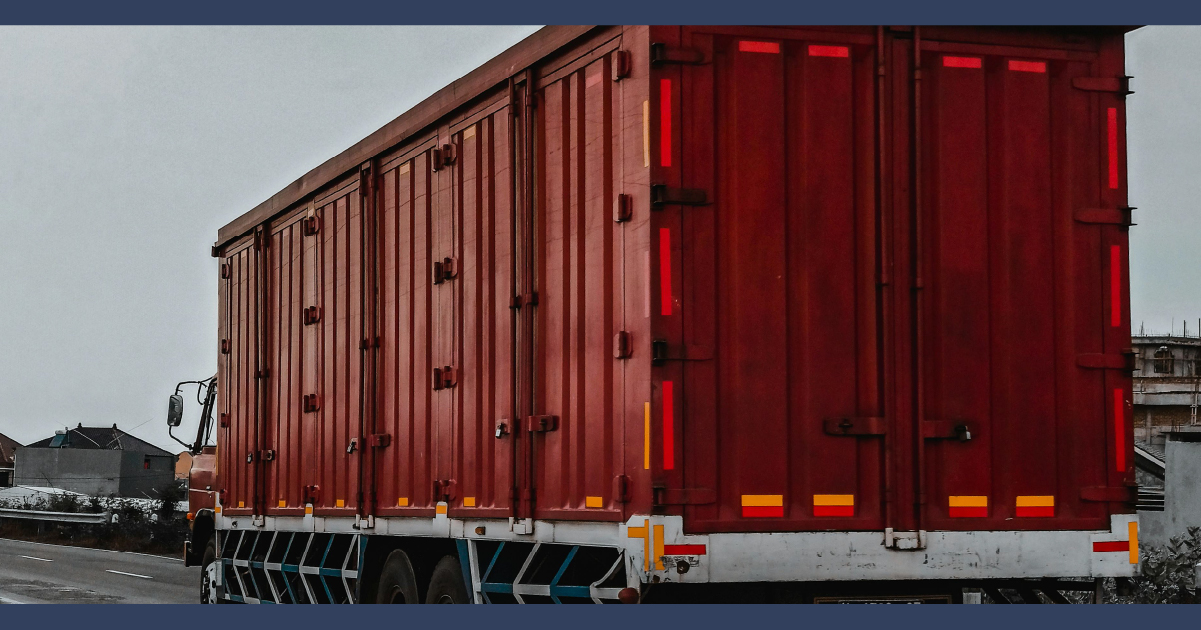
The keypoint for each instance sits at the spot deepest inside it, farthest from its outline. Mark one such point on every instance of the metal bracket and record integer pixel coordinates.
(1125, 360)
(541, 424)
(1116, 85)
(661, 353)
(947, 430)
(621, 64)
(525, 299)
(854, 427)
(312, 315)
(379, 440)
(666, 54)
(904, 541)
(1122, 217)
(311, 402)
(662, 195)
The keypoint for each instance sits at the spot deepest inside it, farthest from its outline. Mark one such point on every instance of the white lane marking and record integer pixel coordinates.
(134, 553)
(5, 600)
(144, 577)
(36, 558)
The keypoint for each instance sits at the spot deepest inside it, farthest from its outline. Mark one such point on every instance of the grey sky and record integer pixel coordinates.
(123, 150)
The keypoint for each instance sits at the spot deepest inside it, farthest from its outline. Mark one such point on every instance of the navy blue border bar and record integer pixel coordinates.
(308, 12)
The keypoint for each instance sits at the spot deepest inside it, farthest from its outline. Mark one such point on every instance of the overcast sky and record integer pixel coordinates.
(123, 150)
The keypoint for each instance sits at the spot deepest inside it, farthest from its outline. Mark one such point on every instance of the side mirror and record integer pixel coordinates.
(175, 410)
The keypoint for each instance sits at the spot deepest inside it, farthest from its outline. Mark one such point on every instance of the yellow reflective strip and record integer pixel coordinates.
(966, 501)
(635, 532)
(1036, 501)
(594, 502)
(440, 508)
(646, 436)
(340, 503)
(762, 500)
(1132, 528)
(833, 499)
(646, 133)
(241, 504)
(308, 509)
(217, 509)
(658, 547)
(646, 545)
(468, 501)
(283, 503)
(402, 502)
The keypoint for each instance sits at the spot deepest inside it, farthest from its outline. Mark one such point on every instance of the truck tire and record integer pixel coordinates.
(446, 585)
(208, 574)
(397, 582)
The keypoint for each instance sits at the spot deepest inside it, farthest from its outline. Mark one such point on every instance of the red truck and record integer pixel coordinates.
(663, 313)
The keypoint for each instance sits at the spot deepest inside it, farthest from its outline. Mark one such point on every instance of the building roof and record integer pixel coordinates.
(7, 447)
(99, 438)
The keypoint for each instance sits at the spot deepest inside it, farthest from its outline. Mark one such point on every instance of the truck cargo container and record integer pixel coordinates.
(663, 313)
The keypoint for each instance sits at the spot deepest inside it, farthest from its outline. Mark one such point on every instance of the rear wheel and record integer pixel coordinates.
(397, 582)
(446, 585)
(208, 574)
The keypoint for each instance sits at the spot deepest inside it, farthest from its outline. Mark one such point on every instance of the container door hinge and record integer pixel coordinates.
(311, 403)
(855, 427)
(1115, 85)
(310, 225)
(525, 299)
(621, 64)
(948, 430)
(541, 424)
(225, 271)
(621, 345)
(365, 179)
(660, 352)
(662, 195)
(683, 496)
(379, 440)
(1122, 217)
(445, 377)
(368, 343)
(312, 315)
(444, 156)
(665, 54)
(224, 346)
(623, 208)
(445, 269)
(267, 455)
(1124, 360)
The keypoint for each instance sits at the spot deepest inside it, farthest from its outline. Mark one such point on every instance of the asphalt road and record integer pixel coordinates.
(37, 573)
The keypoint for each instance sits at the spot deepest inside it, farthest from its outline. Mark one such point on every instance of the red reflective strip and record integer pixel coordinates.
(665, 271)
(1027, 66)
(969, 512)
(1119, 430)
(829, 51)
(1115, 285)
(665, 122)
(759, 47)
(762, 511)
(683, 550)
(1112, 545)
(669, 437)
(833, 510)
(1112, 134)
(1035, 511)
(961, 62)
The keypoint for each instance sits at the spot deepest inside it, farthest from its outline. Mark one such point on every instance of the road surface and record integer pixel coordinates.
(37, 573)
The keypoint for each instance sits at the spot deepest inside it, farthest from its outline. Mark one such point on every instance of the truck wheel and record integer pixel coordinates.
(397, 583)
(208, 574)
(446, 585)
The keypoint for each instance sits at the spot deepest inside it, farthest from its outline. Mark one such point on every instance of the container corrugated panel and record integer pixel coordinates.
(581, 302)
(238, 384)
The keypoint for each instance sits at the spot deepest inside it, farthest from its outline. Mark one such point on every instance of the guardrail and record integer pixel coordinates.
(59, 517)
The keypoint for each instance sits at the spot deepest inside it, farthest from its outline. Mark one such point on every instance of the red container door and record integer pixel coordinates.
(238, 385)
(769, 411)
(291, 334)
(1024, 297)
(338, 400)
(481, 278)
(577, 271)
(404, 470)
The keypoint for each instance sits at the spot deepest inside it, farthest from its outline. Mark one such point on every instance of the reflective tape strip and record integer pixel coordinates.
(340, 503)
(1115, 285)
(1119, 430)
(669, 442)
(643, 532)
(1111, 134)
(683, 550)
(1035, 506)
(967, 506)
(829, 51)
(283, 503)
(646, 436)
(1027, 66)
(833, 499)
(762, 500)
(1132, 529)
(665, 122)
(833, 505)
(594, 502)
(469, 132)
(646, 133)
(764, 511)
(961, 62)
(402, 502)
(759, 47)
(308, 509)
(440, 508)
(658, 544)
(468, 501)
(1106, 546)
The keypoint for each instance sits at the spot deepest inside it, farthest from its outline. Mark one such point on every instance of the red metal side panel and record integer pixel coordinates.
(580, 295)
(238, 385)
(1015, 289)
(405, 469)
(773, 285)
(340, 280)
(289, 256)
(482, 177)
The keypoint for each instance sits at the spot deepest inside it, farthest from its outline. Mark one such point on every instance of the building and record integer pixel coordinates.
(1182, 489)
(8, 448)
(1167, 385)
(97, 461)
(183, 465)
